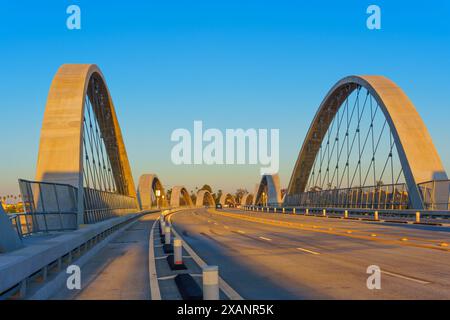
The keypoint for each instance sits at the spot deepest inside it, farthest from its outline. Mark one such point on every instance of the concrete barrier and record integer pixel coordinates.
(17, 267)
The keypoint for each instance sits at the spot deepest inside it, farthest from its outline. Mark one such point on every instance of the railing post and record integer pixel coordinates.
(210, 282)
(417, 217)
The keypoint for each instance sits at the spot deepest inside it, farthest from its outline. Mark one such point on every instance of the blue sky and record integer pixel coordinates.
(232, 64)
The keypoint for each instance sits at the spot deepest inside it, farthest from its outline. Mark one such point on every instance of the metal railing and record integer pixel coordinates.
(47, 207)
(102, 205)
(435, 194)
(392, 196)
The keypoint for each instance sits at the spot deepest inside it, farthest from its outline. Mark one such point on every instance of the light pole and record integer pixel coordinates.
(158, 193)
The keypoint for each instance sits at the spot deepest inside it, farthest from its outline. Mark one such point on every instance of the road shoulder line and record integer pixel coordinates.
(155, 293)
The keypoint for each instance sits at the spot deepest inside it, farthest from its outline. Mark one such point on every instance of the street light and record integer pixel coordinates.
(158, 193)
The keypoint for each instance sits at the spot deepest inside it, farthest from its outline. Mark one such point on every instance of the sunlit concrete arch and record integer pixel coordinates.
(269, 191)
(203, 195)
(146, 193)
(247, 199)
(177, 193)
(418, 157)
(226, 198)
(60, 157)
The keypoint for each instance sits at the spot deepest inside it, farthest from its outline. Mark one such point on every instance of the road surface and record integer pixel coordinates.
(318, 258)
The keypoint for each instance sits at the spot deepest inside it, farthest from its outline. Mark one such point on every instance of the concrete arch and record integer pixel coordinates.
(60, 157)
(227, 198)
(177, 192)
(202, 195)
(146, 193)
(247, 199)
(269, 191)
(418, 156)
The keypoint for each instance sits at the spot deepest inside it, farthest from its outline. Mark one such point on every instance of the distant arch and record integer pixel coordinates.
(227, 198)
(247, 199)
(202, 196)
(269, 192)
(148, 188)
(177, 193)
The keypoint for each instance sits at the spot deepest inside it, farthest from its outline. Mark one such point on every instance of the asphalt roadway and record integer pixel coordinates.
(280, 256)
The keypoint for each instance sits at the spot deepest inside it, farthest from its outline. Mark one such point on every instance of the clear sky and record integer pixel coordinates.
(231, 64)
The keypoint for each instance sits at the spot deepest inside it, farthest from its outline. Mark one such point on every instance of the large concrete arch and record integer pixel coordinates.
(146, 193)
(202, 195)
(227, 197)
(269, 191)
(418, 156)
(60, 157)
(177, 193)
(247, 199)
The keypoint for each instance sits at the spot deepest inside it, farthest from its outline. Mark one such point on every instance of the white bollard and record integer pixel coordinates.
(284, 210)
(268, 209)
(417, 217)
(177, 252)
(307, 211)
(274, 210)
(163, 226)
(210, 283)
(167, 235)
(376, 215)
(293, 210)
(324, 212)
(346, 214)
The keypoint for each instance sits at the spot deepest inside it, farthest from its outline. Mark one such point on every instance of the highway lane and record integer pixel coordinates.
(319, 260)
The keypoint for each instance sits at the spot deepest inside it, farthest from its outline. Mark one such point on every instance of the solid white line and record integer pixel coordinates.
(225, 287)
(153, 278)
(264, 238)
(168, 277)
(309, 251)
(405, 277)
(240, 231)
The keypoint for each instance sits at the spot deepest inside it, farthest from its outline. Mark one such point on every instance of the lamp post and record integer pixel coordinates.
(158, 193)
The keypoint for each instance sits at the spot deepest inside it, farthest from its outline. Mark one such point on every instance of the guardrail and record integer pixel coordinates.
(414, 216)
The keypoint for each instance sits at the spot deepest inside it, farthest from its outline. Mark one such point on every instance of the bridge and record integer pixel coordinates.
(368, 189)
